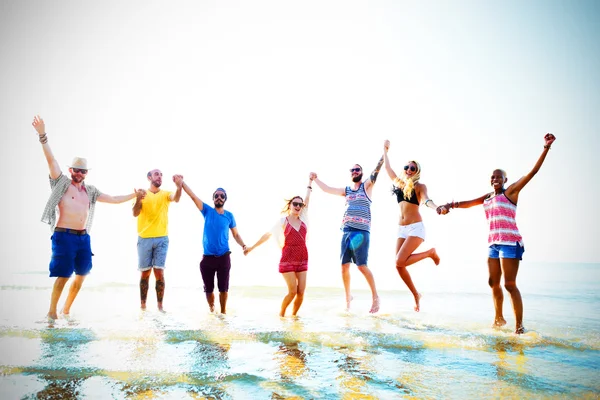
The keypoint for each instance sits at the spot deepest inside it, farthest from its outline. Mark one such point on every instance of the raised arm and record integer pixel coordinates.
(373, 177)
(512, 192)
(194, 198)
(105, 198)
(40, 127)
(388, 167)
(326, 188)
(178, 179)
(308, 191)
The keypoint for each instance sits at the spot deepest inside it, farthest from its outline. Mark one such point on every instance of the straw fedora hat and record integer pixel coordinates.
(79, 162)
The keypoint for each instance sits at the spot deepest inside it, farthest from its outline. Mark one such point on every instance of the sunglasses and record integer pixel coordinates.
(411, 167)
(354, 169)
(296, 204)
(219, 196)
(76, 170)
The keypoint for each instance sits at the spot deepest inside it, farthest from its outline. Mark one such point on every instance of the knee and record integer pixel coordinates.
(493, 283)
(510, 286)
(400, 263)
(292, 292)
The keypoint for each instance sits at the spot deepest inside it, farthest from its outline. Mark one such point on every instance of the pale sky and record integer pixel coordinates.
(252, 96)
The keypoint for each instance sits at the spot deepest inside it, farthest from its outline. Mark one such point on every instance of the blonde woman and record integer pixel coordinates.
(411, 232)
(290, 232)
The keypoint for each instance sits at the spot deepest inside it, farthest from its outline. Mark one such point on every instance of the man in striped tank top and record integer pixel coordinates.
(506, 244)
(356, 226)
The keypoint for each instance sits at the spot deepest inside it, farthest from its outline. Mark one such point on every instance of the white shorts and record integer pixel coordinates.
(417, 229)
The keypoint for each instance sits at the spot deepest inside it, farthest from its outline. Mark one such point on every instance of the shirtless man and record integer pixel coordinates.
(76, 202)
(356, 227)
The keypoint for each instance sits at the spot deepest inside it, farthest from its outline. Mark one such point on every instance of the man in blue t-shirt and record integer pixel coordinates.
(215, 241)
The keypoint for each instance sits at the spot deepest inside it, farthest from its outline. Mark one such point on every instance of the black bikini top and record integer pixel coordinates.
(401, 198)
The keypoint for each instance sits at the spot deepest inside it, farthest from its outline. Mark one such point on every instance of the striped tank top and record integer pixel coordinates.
(501, 213)
(358, 209)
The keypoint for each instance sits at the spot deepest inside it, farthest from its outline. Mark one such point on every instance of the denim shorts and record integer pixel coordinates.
(506, 251)
(152, 252)
(355, 247)
(70, 253)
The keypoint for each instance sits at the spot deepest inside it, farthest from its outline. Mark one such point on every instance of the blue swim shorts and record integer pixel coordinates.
(70, 252)
(152, 252)
(506, 251)
(355, 247)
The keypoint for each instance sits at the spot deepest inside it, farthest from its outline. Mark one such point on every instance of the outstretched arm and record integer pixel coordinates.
(512, 192)
(326, 188)
(40, 127)
(194, 198)
(445, 209)
(178, 179)
(260, 241)
(388, 167)
(105, 198)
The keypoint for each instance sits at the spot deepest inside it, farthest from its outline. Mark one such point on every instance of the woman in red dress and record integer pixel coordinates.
(290, 232)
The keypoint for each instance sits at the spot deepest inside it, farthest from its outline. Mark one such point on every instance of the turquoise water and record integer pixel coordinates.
(111, 349)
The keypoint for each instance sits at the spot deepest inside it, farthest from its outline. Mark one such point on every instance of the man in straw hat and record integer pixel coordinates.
(215, 242)
(76, 202)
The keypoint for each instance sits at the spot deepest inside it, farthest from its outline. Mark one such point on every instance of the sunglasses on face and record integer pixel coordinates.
(411, 167)
(354, 170)
(296, 204)
(219, 196)
(76, 170)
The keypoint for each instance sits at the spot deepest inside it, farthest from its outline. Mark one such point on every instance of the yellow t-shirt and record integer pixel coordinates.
(153, 219)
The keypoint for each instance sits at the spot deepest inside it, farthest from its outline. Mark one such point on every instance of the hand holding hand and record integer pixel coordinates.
(178, 179)
(386, 145)
(139, 194)
(312, 176)
(442, 210)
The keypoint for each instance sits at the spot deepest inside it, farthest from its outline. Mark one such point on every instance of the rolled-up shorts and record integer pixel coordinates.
(219, 266)
(152, 252)
(355, 247)
(506, 251)
(71, 252)
(417, 229)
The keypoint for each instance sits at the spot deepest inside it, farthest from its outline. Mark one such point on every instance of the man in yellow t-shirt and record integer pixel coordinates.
(153, 235)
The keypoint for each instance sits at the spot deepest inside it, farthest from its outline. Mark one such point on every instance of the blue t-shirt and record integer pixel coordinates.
(216, 231)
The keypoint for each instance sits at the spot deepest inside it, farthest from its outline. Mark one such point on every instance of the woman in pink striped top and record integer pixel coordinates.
(506, 244)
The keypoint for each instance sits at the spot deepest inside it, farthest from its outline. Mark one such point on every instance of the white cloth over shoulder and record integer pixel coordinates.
(278, 230)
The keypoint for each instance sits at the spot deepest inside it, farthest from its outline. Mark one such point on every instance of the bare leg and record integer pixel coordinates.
(144, 283)
(292, 286)
(371, 281)
(57, 289)
(210, 298)
(159, 275)
(510, 267)
(494, 282)
(301, 277)
(73, 290)
(223, 302)
(416, 257)
(404, 252)
(346, 280)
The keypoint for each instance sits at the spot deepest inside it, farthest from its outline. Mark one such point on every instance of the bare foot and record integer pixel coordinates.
(498, 323)
(51, 317)
(417, 302)
(434, 256)
(375, 306)
(348, 301)
(143, 306)
(520, 330)
(211, 308)
(160, 308)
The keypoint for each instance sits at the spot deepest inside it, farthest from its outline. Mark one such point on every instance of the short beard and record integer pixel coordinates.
(156, 184)
(219, 205)
(77, 179)
(357, 178)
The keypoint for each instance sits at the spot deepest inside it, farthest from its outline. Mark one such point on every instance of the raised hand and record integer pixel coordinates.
(39, 125)
(312, 176)
(178, 179)
(139, 193)
(549, 139)
(386, 145)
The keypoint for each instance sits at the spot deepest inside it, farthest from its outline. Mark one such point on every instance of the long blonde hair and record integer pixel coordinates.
(407, 185)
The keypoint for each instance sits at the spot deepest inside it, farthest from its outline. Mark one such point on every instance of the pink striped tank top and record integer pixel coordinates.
(500, 213)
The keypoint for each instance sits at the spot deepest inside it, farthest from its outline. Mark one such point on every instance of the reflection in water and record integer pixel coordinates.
(62, 355)
(291, 360)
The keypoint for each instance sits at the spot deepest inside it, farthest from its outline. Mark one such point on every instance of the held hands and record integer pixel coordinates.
(443, 210)
(178, 179)
(139, 194)
(247, 250)
(386, 146)
(549, 139)
(312, 176)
